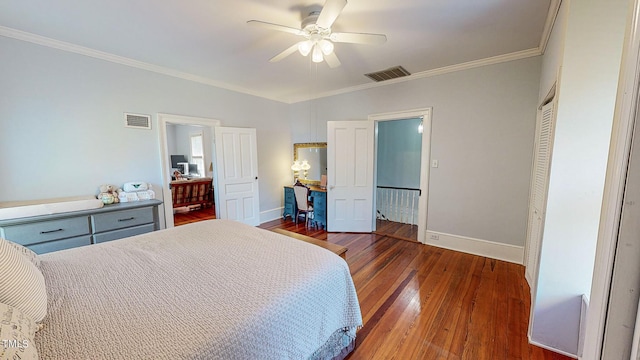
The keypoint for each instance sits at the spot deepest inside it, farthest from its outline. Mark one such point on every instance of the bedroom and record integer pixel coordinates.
(62, 111)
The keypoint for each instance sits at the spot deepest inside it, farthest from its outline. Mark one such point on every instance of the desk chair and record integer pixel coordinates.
(301, 193)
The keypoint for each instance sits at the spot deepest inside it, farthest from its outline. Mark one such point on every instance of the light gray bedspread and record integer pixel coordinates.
(211, 290)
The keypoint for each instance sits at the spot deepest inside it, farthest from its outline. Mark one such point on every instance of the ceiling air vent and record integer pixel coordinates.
(390, 73)
(137, 121)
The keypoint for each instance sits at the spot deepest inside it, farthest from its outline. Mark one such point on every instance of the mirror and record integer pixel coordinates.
(316, 156)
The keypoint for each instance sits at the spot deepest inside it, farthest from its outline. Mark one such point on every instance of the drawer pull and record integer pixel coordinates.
(50, 231)
(127, 219)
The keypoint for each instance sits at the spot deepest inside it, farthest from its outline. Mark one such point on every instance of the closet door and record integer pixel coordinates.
(539, 190)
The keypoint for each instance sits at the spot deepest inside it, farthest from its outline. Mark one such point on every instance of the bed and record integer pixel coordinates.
(215, 289)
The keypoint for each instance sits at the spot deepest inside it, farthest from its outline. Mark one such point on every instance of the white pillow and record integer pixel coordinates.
(21, 283)
(26, 252)
(16, 334)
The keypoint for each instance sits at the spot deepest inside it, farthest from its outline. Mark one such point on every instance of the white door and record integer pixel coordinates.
(350, 176)
(539, 190)
(237, 175)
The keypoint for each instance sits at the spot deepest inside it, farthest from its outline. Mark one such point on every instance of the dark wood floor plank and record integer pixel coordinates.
(422, 302)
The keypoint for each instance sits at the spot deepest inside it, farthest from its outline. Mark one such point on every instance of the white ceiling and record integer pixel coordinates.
(210, 42)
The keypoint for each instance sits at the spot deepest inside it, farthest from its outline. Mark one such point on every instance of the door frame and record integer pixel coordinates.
(624, 119)
(170, 119)
(425, 162)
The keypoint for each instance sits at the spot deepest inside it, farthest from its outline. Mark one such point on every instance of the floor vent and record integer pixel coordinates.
(137, 121)
(390, 73)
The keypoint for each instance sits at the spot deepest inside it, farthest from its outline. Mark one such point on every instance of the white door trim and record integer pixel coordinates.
(619, 151)
(425, 162)
(163, 121)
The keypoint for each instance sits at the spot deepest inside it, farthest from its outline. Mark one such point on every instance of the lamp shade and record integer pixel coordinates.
(296, 166)
(316, 56)
(305, 165)
(326, 46)
(304, 47)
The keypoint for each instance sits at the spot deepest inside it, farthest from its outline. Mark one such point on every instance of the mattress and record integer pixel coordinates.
(216, 289)
(21, 209)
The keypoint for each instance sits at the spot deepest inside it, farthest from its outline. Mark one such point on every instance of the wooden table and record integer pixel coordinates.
(336, 249)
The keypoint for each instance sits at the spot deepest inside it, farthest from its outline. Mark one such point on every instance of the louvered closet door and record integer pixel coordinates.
(540, 185)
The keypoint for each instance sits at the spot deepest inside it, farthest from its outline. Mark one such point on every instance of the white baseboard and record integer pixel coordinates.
(552, 349)
(269, 215)
(490, 249)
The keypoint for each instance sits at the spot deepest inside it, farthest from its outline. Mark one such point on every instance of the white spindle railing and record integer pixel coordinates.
(397, 204)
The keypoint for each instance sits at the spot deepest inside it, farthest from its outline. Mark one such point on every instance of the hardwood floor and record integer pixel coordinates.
(181, 218)
(397, 230)
(423, 302)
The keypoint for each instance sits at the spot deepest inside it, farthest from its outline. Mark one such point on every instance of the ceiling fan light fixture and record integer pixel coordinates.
(304, 47)
(326, 46)
(317, 54)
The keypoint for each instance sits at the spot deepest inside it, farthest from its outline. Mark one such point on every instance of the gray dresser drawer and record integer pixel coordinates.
(121, 219)
(123, 233)
(60, 244)
(33, 233)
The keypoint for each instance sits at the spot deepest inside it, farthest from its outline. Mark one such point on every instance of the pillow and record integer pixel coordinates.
(26, 252)
(16, 334)
(21, 283)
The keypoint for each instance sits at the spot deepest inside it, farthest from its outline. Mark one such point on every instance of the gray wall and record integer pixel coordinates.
(62, 114)
(179, 142)
(398, 153)
(482, 135)
(588, 38)
(62, 133)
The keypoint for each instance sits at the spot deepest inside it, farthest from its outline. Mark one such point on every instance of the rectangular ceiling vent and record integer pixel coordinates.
(137, 121)
(390, 73)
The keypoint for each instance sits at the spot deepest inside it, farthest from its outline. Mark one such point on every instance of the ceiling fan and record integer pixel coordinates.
(319, 39)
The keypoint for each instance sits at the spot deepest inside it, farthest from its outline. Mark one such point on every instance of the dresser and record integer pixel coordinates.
(319, 198)
(61, 231)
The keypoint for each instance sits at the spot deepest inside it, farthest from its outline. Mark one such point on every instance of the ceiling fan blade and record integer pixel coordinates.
(332, 60)
(330, 12)
(358, 38)
(277, 27)
(285, 53)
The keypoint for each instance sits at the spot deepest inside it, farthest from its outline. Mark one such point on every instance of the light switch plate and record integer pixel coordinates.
(434, 163)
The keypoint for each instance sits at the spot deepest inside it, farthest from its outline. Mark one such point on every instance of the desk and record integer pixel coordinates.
(319, 198)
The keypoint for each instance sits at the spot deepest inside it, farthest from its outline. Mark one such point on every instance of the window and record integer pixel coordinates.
(197, 153)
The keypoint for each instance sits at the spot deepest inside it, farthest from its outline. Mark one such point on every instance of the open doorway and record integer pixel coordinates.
(401, 173)
(188, 163)
(398, 151)
(191, 155)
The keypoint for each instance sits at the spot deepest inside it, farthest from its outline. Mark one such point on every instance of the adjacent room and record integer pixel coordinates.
(332, 179)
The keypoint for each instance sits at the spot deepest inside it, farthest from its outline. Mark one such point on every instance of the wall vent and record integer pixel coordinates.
(137, 121)
(390, 73)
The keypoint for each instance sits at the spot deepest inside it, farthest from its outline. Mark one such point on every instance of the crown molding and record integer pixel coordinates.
(518, 55)
(77, 49)
(81, 50)
(554, 8)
